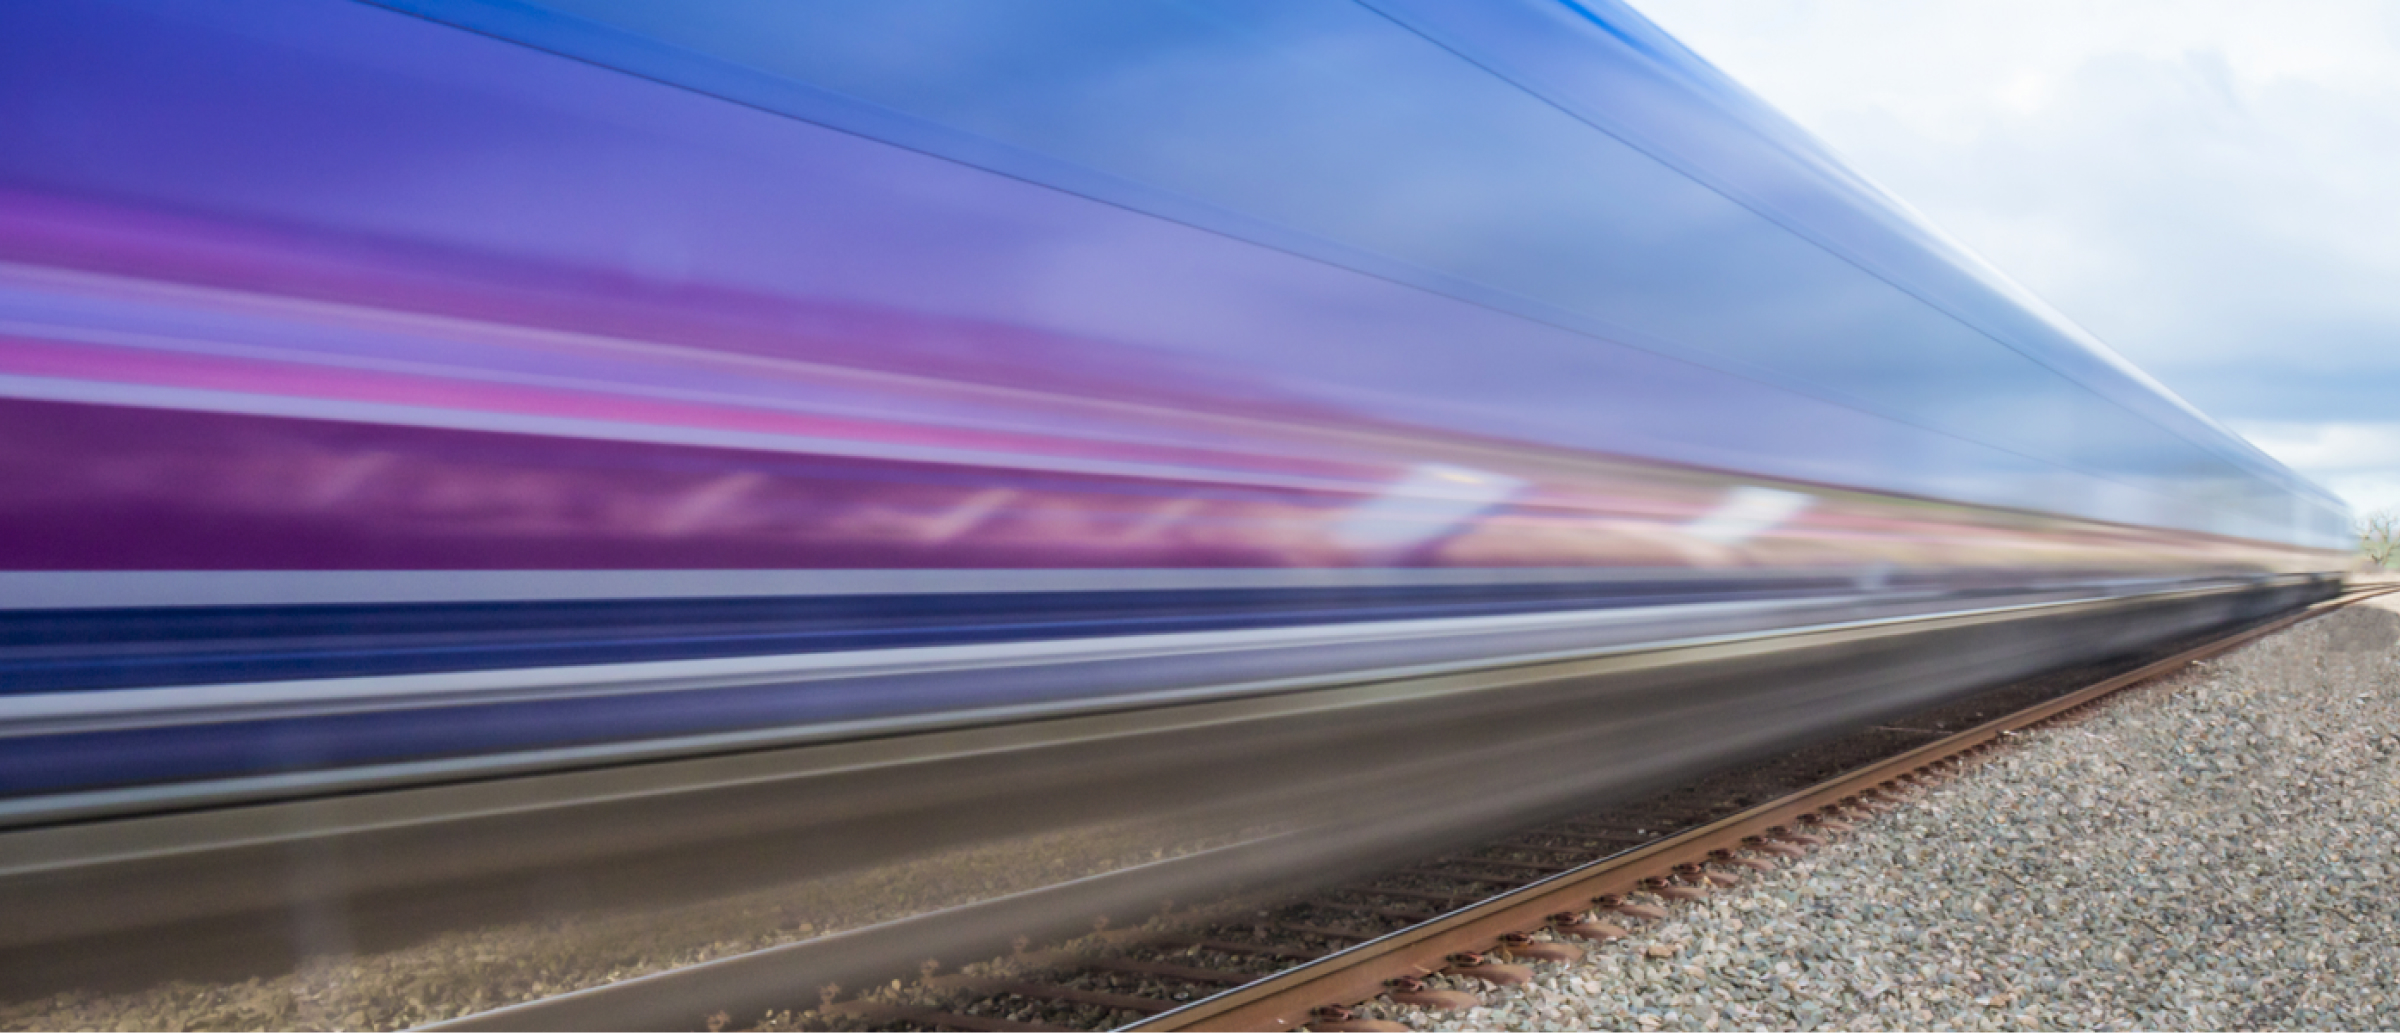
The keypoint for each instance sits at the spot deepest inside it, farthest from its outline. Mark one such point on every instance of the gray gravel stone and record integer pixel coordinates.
(2214, 851)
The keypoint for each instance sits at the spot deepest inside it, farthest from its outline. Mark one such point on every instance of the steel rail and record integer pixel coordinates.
(1360, 973)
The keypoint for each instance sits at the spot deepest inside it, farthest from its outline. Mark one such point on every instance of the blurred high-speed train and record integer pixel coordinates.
(421, 391)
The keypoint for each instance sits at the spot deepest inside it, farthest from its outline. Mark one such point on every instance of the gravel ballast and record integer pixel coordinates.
(2216, 850)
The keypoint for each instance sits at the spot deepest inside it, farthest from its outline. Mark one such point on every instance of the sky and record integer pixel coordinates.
(2210, 186)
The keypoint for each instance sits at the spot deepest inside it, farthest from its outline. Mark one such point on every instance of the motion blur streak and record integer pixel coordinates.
(398, 394)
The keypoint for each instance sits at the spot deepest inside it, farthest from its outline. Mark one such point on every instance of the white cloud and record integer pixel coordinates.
(2358, 460)
(2212, 186)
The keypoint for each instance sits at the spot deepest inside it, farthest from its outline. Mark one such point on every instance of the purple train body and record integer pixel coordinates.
(350, 354)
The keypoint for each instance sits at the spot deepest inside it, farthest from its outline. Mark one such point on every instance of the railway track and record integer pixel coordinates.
(1283, 961)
